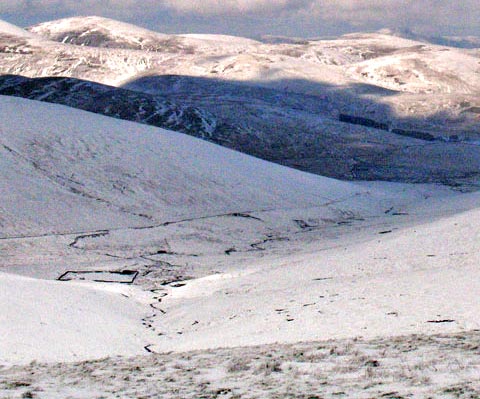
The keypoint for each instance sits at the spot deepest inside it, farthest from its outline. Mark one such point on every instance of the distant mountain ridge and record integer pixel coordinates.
(291, 102)
(103, 32)
(466, 42)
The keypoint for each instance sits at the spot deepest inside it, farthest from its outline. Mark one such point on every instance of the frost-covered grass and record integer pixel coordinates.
(441, 366)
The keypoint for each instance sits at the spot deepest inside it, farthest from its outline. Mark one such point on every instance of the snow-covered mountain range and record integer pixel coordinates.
(303, 104)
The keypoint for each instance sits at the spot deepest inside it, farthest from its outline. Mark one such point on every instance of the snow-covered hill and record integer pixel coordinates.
(418, 279)
(228, 249)
(69, 177)
(111, 101)
(104, 32)
(309, 91)
(121, 171)
(47, 320)
(245, 59)
(13, 30)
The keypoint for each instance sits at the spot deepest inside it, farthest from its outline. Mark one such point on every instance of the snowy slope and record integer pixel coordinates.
(285, 65)
(279, 255)
(112, 101)
(75, 157)
(47, 320)
(423, 69)
(422, 279)
(9, 29)
(65, 171)
(416, 366)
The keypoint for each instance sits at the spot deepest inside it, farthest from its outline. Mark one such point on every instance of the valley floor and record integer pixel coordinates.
(373, 307)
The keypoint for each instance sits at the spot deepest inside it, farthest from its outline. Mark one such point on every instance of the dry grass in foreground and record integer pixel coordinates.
(441, 366)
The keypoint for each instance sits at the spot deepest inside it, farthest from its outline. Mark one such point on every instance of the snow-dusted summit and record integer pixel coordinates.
(100, 32)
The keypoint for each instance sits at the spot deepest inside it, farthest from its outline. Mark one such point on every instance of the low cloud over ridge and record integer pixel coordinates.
(237, 6)
(300, 17)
